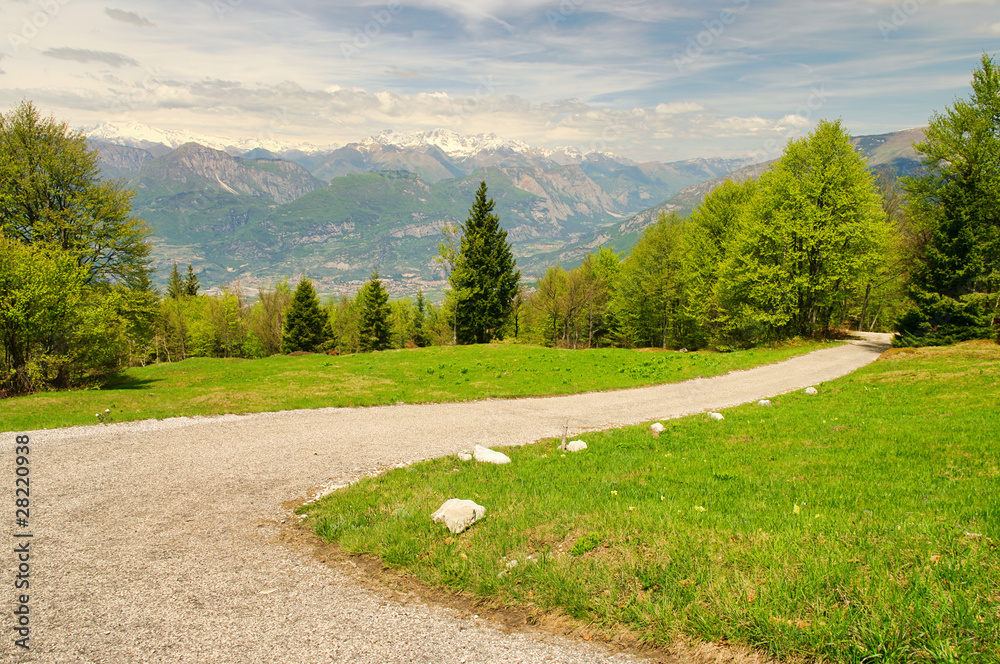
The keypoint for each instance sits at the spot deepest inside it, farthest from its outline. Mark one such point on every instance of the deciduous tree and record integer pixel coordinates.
(51, 192)
(810, 239)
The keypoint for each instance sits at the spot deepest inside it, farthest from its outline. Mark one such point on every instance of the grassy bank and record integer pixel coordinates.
(208, 386)
(857, 525)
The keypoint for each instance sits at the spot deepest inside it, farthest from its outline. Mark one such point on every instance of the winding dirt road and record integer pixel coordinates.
(157, 541)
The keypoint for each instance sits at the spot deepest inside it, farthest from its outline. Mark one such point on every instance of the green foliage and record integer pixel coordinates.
(266, 319)
(571, 309)
(306, 326)
(175, 286)
(421, 335)
(585, 544)
(484, 279)
(374, 330)
(708, 239)
(857, 525)
(344, 322)
(955, 286)
(41, 287)
(191, 284)
(51, 192)
(650, 296)
(811, 237)
(55, 330)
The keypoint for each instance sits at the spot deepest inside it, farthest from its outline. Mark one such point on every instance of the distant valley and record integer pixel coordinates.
(258, 216)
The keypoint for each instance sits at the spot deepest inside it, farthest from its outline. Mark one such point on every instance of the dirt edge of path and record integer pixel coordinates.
(402, 588)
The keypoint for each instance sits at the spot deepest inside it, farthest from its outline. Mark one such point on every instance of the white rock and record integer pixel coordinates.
(764, 402)
(811, 390)
(716, 416)
(464, 456)
(576, 446)
(486, 455)
(458, 514)
(656, 427)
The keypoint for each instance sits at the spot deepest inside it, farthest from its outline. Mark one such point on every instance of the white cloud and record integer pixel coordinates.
(679, 108)
(602, 75)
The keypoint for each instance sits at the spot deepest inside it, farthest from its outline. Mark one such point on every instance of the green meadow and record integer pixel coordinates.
(214, 386)
(857, 525)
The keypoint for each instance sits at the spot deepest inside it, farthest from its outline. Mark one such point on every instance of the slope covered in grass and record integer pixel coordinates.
(211, 386)
(857, 525)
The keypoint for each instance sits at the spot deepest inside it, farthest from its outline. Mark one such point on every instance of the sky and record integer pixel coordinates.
(649, 80)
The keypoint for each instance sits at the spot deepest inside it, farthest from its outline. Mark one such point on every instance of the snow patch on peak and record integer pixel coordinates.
(139, 135)
(448, 141)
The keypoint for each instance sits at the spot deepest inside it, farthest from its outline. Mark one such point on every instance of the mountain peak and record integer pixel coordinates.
(139, 135)
(450, 142)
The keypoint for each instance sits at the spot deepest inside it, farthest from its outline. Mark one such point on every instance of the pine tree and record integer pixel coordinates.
(956, 204)
(175, 287)
(307, 326)
(191, 284)
(374, 330)
(420, 337)
(484, 276)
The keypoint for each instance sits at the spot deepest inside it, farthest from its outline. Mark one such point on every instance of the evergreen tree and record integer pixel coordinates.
(175, 286)
(484, 276)
(191, 284)
(307, 326)
(420, 336)
(374, 330)
(956, 204)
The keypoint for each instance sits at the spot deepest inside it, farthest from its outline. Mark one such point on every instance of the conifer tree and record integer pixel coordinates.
(175, 286)
(420, 321)
(955, 287)
(374, 330)
(191, 284)
(484, 274)
(307, 326)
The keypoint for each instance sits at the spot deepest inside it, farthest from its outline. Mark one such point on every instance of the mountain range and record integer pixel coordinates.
(241, 211)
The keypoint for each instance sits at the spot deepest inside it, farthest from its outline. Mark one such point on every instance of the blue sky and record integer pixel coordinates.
(650, 80)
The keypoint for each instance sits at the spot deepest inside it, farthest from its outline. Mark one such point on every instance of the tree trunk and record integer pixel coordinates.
(864, 307)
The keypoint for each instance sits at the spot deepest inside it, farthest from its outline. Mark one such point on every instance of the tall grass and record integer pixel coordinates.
(857, 525)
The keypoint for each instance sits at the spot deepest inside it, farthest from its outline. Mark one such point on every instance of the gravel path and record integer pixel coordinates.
(156, 541)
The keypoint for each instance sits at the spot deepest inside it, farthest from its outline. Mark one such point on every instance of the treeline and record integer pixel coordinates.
(815, 246)
(286, 320)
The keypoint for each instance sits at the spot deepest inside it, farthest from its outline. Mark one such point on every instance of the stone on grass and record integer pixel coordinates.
(464, 456)
(716, 416)
(656, 427)
(458, 514)
(811, 390)
(764, 402)
(576, 446)
(486, 455)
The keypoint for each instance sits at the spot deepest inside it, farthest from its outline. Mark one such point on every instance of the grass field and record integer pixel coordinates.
(857, 525)
(207, 386)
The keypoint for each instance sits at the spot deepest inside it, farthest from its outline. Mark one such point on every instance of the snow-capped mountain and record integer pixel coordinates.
(139, 135)
(448, 141)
